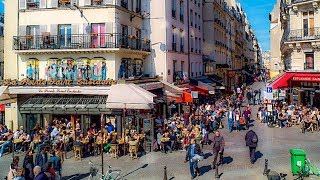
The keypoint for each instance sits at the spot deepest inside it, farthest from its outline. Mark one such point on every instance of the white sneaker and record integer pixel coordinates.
(0, 155)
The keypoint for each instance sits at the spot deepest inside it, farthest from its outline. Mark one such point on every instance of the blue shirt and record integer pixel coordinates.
(110, 128)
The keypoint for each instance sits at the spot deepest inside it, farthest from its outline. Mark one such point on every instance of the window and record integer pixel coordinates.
(308, 23)
(200, 45)
(124, 4)
(192, 43)
(65, 36)
(32, 4)
(181, 11)
(191, 17)
(174, 8)
(181, 40)
(195, 20)
(32, 72)
(175, 66)
(196, 45)
(124, 31)
(138, 6)
(192, 69)
(97, 35)
(309, 62)
(174, 39)
(199, 21)
(33, 31)
(182, 66)
(130, 68)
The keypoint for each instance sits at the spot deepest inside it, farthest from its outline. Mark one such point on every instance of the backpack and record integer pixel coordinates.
(254, 138)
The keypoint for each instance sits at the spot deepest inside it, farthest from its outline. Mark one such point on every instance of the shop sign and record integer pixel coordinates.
(211, 92)
(42, 82)
(194, 94)
(311, 79)
(8, 105)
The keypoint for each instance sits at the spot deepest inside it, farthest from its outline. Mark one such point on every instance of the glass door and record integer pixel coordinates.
(65, 36)
(31, 38)
(98, 35)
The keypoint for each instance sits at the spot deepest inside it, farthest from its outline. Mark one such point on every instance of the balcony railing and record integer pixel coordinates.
(299, 1)
(80, 41)
(303, 34)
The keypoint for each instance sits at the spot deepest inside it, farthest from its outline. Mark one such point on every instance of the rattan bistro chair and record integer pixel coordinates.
(133, 149)
(114, 150)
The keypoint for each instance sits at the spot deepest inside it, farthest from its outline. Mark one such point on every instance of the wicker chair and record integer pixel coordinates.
(133, 149)
(114, 150)
(77, 152)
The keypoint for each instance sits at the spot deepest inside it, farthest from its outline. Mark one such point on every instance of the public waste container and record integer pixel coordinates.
(298, 159)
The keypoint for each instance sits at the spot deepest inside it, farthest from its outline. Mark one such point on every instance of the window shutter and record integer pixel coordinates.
(43, 28)
(22, 4)
(22, 30)
(109, 27)
(74, 2)
(108, 2)
(54, 3)
(43, 3)
(53, 29)
(130, 5)
(75, 29)
(87, 2)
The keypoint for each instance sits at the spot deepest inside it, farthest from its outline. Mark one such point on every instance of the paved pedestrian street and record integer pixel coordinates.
(274, 145)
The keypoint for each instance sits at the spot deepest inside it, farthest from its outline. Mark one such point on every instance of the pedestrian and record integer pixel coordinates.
(41, 158)
(237, 119)
(230, 116)
(12, 171)
(28, 165)
(38, 174)
(19, 175)
(49, 171)
(252, 142)
(193, 152)
(246, 115)
(56, 162)
(218, 148)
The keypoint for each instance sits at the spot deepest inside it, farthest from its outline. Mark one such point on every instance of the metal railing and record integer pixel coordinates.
(80, 41)
(302, 34)
(298, 1)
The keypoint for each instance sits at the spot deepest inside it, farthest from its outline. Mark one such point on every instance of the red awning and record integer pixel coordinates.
(201, 90)
(281, 81)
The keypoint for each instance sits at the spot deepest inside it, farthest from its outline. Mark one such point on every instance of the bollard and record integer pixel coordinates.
(265, 171)
(165, 177)
(216, 173)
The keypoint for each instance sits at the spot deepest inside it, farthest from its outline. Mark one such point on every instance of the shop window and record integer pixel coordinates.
(130, 68)
(32, 69)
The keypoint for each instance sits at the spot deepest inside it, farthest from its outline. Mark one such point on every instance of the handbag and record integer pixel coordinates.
(197, 157)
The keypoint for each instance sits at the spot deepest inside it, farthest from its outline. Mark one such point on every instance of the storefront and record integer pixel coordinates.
(126, 106)
(300, 87)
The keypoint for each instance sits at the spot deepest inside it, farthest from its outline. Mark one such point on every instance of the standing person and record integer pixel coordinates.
(8, 143)
(259, 96)
(56, 162)
(41, 158)
(252, 142)
(218, 148)
(230, 116)
(28, 165)
(237, 116)
(193, 150)
(38, 174)
(246, 116)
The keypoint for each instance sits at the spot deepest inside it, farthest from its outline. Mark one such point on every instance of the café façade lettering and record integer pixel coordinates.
(42, 82)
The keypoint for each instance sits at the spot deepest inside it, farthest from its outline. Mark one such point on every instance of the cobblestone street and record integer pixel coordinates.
(274, 145)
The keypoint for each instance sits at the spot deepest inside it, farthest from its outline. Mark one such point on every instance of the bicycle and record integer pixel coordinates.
(111, 174)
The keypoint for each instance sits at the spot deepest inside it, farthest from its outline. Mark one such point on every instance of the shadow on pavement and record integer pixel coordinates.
(258, 155)
(144, 166)
(76, 176)
(227, 160)
(207, 155)
(205, 169)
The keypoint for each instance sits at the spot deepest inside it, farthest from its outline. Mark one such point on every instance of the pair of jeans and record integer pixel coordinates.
(252, 151)
(237, 125)
(230, 124)
(193, 166)
(4, 146)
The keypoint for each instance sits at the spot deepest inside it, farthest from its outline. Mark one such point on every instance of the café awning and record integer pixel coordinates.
(64, 104)
(129, 96)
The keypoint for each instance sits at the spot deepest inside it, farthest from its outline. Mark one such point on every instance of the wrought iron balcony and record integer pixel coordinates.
(302, 34)
(299, 1)
(80, 41)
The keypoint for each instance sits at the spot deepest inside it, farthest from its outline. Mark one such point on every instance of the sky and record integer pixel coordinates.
(258, 14)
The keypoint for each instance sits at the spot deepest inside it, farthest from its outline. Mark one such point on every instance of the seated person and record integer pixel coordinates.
(8, 143)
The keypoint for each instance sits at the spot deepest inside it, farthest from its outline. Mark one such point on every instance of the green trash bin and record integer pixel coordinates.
(298, 159)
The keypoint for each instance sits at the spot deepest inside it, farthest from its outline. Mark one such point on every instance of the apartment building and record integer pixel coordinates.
(228, 41)
(70, 52)
(276, 33)
(299, 50)
(176, 36)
